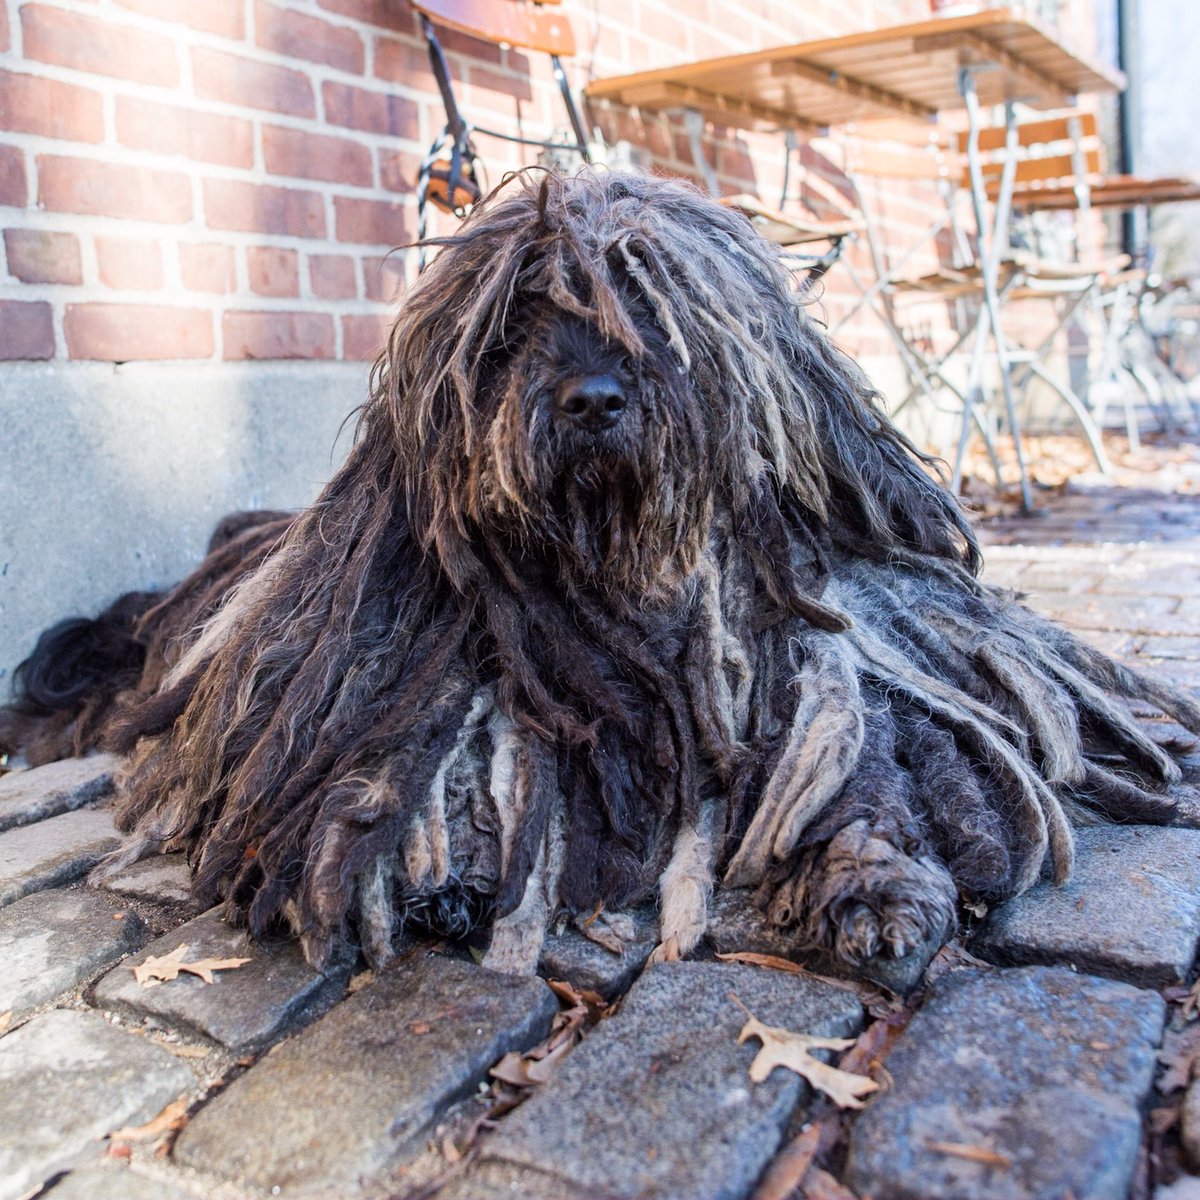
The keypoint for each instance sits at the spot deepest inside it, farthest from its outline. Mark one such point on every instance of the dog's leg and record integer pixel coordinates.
(860, 896)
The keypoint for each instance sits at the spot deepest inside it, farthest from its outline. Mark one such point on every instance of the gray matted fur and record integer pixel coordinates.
(513, 662)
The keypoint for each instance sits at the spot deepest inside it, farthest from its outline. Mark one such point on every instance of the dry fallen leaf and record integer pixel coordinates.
(782, 1048)
(160, 968)
(359, 981)
(1179, 1054)
(975, 1154)
(789, 1166)
(174, 1116)
(771, 961)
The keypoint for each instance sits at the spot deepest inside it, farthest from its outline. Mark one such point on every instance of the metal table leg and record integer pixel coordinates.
(992, 242)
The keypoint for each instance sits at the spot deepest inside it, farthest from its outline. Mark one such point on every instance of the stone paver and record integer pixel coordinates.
(586, 964)
(51, 941)
(162, 878)
(656, 1102)
(242, 1008)
(1190, 1124)
(54, 851)
(736, 924)
(67, 1079)
(27, 796)
(1131, 911)
(116, 1183)
(1041, 1066)
(359, 1088)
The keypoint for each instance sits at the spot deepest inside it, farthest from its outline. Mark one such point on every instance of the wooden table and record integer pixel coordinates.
(1112, 191)
(1000, 56)
(910, 70)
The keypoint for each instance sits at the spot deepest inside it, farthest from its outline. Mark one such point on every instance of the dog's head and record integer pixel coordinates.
(597, 365)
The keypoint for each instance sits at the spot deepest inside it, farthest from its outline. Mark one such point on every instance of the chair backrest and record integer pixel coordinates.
(505, 22)
(1063, 150)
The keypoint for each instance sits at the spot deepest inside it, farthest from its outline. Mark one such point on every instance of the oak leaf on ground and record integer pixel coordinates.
(783, 1048)
(161, 968)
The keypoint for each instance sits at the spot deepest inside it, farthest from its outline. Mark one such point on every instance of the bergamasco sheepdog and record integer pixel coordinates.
(627, 587)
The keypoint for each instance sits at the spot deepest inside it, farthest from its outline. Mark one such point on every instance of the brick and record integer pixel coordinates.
(235, 79)
(331, 276)
(51, 941)
(277, 335)
(67, 1079)
(315, 156)
(56, 788)
(1047, 1067)
(257, 208)
(26, 330)
(273, 271)
(5, 37)
(161, 879)
(116, 1183)
(226, 18)
(738, 924)
(385, 14)
(383, 278)
(584, 962)
(375, 1074)
(107, 189)
(208, 267)
(376, 222)
(372, 112)
(1131, 910)
(296, 35)
(656, 1101)
(475, 49)
(53, 852)
(169, 129)
(404, 62)
(398, 170)
(363, 336)
(38, 256)
(45, 106)
(99, 46)
(137, 332)
(275, 991)
(493, 89)
(14, 184)
(131, 264)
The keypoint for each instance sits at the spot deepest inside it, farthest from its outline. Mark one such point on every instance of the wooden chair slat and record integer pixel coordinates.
(526, 26)
(1033, 133)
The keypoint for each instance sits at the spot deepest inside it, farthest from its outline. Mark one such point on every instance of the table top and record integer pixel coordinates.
(1113, 191)
(910, 70)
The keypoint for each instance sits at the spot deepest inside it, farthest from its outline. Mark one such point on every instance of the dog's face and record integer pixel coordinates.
(587, 374)
(589, 449)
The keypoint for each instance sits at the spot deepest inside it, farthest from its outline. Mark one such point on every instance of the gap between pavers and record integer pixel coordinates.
(1130, 911)
(55, 851)
(1042, 1067)
(41, 792)
(51, 941)
(347, 1098)
(67, 1079)
(243, 1008)
(657, 1102)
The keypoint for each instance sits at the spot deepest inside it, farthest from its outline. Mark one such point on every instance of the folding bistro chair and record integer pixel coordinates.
(1002, 163)
(448, 176)
(783, 225)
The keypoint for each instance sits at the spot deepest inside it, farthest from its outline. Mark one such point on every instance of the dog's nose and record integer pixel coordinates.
(594, 402)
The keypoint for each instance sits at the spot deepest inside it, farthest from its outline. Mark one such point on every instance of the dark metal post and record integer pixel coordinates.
(1133, 232)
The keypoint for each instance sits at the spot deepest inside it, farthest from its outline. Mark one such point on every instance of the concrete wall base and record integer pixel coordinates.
(112, 477)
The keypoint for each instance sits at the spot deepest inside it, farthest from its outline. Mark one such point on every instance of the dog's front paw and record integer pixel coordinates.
(860, 897)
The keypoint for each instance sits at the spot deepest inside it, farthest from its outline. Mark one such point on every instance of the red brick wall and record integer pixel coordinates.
(226, 179)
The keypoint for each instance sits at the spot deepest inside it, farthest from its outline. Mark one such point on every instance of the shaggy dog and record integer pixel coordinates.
(628, 584)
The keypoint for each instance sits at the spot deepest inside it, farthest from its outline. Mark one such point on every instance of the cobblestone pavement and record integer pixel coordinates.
(1047, 1053)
